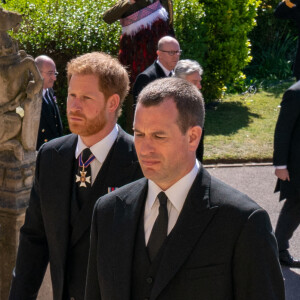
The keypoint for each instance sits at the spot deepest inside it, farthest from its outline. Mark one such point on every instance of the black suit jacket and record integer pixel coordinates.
(222, 247)
(287, 141)
(150, 74)
(284, 12)
(50, 121)
(45, 236)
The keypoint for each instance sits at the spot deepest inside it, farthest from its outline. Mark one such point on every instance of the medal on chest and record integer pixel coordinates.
(83, 179)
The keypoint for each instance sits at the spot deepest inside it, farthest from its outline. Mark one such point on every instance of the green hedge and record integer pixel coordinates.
(274, 43)
(212, 32)
(216, 34)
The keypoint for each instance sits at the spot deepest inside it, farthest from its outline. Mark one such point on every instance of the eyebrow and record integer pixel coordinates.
(152, 133)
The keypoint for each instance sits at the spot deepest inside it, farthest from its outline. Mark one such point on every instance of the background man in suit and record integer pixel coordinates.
(286, 159)
(204, 239)
(191, 71)
(50, 121)
(168, 54)
(291, 10)
(72, 172)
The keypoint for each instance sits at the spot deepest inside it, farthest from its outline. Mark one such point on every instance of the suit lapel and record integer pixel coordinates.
(63, 156)
(115, 171)
(128, 210)
(159, 71)
(192, 222)
(48, 111)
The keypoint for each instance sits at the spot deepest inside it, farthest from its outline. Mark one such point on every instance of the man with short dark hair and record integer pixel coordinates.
(168, 53)
(72, 172)
(179, 233)
(50, 121)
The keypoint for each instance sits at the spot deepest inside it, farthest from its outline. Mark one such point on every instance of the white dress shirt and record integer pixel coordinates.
(176, 194)
(100, 150)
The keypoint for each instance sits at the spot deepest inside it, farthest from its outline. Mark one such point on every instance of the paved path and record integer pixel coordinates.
(258, 183)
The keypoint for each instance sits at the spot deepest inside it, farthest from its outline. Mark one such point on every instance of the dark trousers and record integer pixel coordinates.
(288, 221)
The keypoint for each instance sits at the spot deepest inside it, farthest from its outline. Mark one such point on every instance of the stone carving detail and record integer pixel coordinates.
(20, 107)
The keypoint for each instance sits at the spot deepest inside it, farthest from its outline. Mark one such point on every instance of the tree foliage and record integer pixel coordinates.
(212, 32)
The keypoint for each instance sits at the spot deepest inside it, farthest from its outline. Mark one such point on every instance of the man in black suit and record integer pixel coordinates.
(287, 162)
(179, 233)
(50, 121)
(168, 53)
(72, 172)
(291, 10)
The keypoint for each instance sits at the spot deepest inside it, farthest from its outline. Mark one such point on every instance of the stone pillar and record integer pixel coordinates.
(16, 179)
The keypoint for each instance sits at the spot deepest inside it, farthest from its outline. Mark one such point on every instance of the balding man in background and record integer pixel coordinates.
(168, 53)
(50, 122)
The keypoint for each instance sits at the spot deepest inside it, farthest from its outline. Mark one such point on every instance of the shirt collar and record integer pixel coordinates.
(166, 71)
(44, 92)
(178, 192)
(100, 149)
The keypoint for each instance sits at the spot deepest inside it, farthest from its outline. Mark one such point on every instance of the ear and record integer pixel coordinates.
(194, 136)
(157, 52)
(113, 103)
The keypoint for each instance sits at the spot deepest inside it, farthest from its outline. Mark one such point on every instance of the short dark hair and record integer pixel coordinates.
(187, 97)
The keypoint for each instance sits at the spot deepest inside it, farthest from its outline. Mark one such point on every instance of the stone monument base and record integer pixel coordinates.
(10, 222)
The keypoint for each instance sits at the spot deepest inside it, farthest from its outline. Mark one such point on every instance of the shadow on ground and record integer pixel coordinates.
(227, 118)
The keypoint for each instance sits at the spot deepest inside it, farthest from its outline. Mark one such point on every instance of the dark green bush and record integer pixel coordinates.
(220, 41)
(274, 43)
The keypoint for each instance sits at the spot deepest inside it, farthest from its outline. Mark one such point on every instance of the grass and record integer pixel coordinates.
(240, 128)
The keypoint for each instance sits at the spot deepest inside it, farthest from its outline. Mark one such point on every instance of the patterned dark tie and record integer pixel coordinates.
(160, 228)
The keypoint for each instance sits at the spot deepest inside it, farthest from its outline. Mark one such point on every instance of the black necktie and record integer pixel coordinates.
(160, 228)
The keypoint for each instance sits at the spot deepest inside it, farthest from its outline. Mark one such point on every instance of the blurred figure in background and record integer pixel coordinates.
(286, 160)
(191, 71)
(143, 22)
(291, 10)
(168, 53)
(50, 121)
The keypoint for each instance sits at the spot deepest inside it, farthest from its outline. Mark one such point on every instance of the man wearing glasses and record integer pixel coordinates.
(168, 54)
(50, 121)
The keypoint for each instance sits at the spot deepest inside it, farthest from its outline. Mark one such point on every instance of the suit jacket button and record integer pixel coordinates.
(43, 130)
(149, 280)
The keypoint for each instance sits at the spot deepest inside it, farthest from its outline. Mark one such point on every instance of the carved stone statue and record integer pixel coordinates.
(18, 95)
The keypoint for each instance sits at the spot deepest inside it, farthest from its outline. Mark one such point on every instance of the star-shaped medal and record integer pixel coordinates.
(83, 179)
